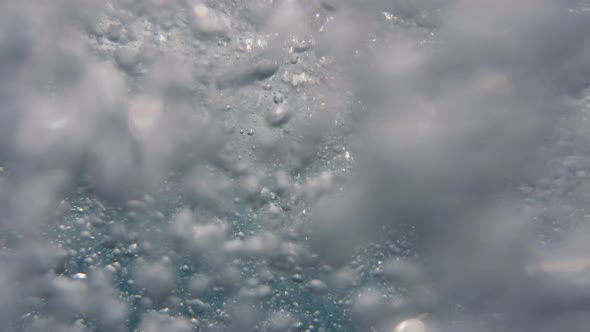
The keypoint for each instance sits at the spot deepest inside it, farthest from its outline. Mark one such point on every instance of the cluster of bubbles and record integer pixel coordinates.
(294, 165)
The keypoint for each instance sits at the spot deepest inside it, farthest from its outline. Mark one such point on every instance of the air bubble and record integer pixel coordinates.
(278, 98)
(278, 116)
(317, 286)
(127, 58)
(79, 276)
(410, 325)
(298, 278)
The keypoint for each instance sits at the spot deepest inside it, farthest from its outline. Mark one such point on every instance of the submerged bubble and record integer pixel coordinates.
(410, 325)
(128, 58)
(278, 116)
(79, 276)
(317, 286)
(209, 22)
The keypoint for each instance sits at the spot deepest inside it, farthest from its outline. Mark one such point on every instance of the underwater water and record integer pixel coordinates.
(294, 165)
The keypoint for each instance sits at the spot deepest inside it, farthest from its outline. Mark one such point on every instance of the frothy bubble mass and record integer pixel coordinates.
(181, 165)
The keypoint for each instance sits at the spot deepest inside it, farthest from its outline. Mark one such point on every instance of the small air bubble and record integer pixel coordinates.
(79, 276)
(278, 98)
(298, 278)
(278, 116)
